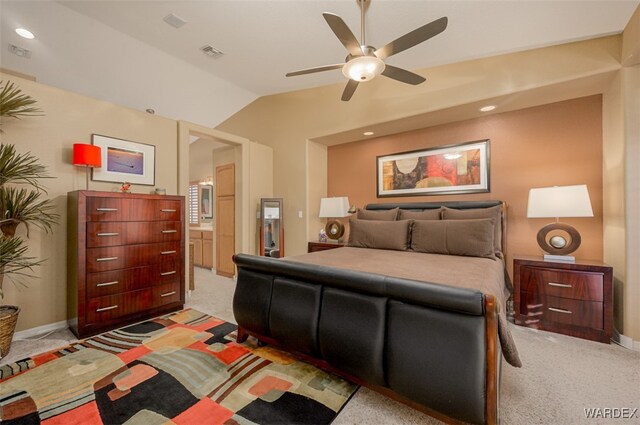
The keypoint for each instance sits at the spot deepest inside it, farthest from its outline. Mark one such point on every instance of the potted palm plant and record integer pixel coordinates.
(22, 203)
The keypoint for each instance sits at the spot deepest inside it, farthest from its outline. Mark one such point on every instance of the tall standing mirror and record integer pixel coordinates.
(271, 228)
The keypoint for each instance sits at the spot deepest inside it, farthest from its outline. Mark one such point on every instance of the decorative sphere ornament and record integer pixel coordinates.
(558, 242)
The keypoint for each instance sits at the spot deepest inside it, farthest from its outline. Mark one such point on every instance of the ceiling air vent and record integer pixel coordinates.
(174, 20)
(209, 50)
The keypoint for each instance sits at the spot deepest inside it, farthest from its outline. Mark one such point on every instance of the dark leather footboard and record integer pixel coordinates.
(430, 344)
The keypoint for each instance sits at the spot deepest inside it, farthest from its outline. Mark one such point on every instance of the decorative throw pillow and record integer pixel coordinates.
(472, 238)
(386, 215)
(379, 234)
(433, 214)
(474, 213)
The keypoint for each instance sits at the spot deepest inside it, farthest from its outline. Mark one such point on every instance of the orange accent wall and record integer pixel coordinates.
(551, 145)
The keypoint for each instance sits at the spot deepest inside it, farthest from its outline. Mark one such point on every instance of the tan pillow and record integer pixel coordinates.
(379, 234)
(474, 213)
(386, 215)
(472, 238)
(419, 215)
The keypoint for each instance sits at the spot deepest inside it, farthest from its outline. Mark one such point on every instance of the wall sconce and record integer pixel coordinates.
(559, 201)
(88, 156)
(334, 208)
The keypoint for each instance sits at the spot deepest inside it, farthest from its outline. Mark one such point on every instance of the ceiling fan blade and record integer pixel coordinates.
(413, 38)
(351, 87)
(344, 34)
(403, 75)
(316, 69)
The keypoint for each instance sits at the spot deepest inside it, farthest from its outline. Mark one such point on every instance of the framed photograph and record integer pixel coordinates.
(125, 161)
(206, 201)
(444, 170)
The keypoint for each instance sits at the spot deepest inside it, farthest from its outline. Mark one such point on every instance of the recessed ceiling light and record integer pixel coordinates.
(150, 111)
(487, 108)
(368, 133)
(25, 33)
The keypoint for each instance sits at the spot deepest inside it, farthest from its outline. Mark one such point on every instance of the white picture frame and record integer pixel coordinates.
(124, 161)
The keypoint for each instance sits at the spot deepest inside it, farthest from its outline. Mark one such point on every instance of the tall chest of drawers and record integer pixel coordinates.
(126, 256)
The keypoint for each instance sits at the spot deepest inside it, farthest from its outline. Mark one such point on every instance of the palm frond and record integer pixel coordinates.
(15, 104)
(19, 205)
(20, 168)
(14, 263)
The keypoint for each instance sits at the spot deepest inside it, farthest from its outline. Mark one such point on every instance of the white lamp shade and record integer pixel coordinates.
(334, 207)
(559, 201)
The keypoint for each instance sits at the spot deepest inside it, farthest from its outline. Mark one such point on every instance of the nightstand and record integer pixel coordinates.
(323, 246)
(574, 299)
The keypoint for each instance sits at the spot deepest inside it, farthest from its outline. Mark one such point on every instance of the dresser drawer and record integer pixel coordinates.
(116, 281)
(103, 259)
(564, 284)
(114, 306)
(129, 256)
(131, 233)
(104, 209)
(105, 234)
(153, 210)
(168, 210)
(538, 308)
(166, 294)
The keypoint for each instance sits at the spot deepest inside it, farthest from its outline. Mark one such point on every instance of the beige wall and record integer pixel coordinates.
(630, 84)
(316, 187)
(71, 118)
(551, 145)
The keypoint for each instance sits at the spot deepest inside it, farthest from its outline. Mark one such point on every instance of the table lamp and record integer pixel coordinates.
(559, 201)
(334, 208)
(88, 156)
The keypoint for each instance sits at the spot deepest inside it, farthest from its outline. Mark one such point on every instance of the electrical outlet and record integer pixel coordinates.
(299, 214)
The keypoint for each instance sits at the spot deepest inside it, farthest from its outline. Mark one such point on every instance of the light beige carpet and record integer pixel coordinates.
(561, 376)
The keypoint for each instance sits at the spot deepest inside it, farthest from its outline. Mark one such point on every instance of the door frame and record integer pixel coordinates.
(243, 207)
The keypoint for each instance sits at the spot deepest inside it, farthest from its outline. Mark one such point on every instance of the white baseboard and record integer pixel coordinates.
(40, 330)
(625, 341)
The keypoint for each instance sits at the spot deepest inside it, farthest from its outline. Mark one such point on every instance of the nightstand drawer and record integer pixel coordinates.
(564, 284)
(538, 308)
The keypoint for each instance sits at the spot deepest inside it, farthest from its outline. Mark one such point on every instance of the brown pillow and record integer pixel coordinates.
(386, 215)
(472, 238)
(474, 213)
(419, 215)
(379, 234)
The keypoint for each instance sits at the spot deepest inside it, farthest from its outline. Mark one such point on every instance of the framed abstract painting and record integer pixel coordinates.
(445, 170)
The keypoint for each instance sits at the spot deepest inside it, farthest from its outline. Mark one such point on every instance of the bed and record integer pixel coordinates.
(410, 308)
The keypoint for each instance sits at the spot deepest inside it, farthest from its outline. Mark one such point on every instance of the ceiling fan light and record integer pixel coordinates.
(363, 68)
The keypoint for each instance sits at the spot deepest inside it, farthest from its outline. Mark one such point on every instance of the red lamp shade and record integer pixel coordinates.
(86, 155)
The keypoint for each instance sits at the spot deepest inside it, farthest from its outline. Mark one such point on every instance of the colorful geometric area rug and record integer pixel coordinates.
(182, 368)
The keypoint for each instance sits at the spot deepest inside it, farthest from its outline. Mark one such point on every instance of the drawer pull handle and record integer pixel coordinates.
(167, 210)
(115, 282)
(107, 259)
(168, 294)
(560, 285)
(108, 234)
(560, 310)
(168, 273)
(169, 231)
(167, 252)
(111, 307)
(106, 209)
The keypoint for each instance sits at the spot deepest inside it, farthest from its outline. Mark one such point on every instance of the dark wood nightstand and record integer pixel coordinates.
(323, 246)
(570, 298)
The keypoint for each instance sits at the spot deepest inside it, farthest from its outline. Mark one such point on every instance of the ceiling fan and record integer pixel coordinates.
(364, 63)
